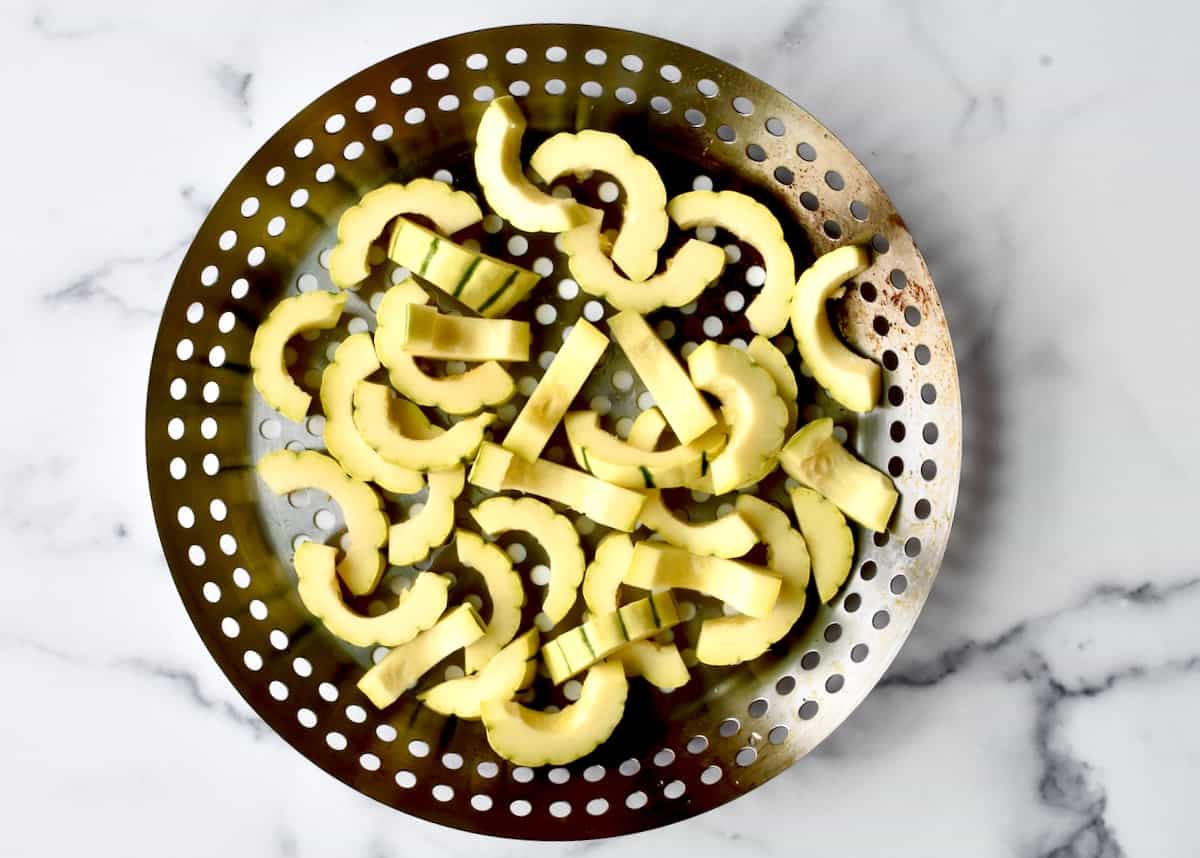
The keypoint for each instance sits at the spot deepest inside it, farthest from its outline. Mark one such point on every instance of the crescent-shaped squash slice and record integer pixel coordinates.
(731, 640)
(621, 463)
(366, 524)
(504, 591)
(647, 428)
(644, 215)
(487, 285)
(305, 312)
(728, 536)
(513, 668)
(851, 379)
(747, 588)
(403, 666)
(497, 469)
(659, 664)
(753, 410)
(361, 224)
(424, 332)
(577, 649)
(815, 458)
(479, 387)
(688, 272)
(502, 177)
(379, 427)
(528, 737)
(752, 222)
(768, 356)
(828, 537)
(418, 609)
(412, 540)
(557, 389)
(353, 361)
(555, 533)
(682, 405)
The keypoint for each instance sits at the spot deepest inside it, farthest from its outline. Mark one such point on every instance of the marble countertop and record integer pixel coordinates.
(1043, 155)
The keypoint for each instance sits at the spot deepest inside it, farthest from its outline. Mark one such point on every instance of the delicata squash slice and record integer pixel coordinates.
(510, 670)
(577, 649)
(305, 312)
(412, 540)
(528, 737)
(828, 537)
(753, 223)
(621, 463)
(479, 387)
(502, 176)
(644, 215)
(555, 533)
(362, 223)
(768, 356)
(747, 588)
(688, 272)
(424, 332)
(504, 590)
(729, 535)
(418, 609)
(366, 524)
(487, 285)
(374, 419)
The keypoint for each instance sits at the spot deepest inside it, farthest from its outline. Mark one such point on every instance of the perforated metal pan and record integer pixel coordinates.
(228, 541)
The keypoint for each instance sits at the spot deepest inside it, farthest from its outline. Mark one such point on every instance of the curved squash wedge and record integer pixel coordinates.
(419, 608)
(753, 410)
(814, 458)
(378, 426)
(728, 536)
(682, 405)
(528, 737)
(353, 361)
(284, 471)
(502, 178)
(752, 222)
(497, 469)
(852, 380)
(403, 666)
(411, 541)
(764, 353)
(424, 332)
(504, 591)
(745, 587)
(688, 272)
(620, 463)
(479, 387)
(659, 664)
(487, 285)
(555, 533)
(828, 538)
(513, 668)
(647, 428)
(731, 640)
(644, 217)
(305, 312)
(362, 223)
(577, 649)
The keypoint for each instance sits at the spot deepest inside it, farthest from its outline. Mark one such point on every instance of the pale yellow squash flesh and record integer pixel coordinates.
(504, 590)
(623, 464)
(364, 222)
(661, 665)
(319, 590)
(850, 379)
(497, 469)
(731, 640)
(508, 672)
(815, 458)
(375, 420)
(828, 537)
(479, 387)
(528, 737)
(768, 356)
(411, 541)
(577, 649)
(647, 428)
(424, 332)
(502, 177)
(747, 588)
(751, 222)
(644, 215)
(401, 668)
(555, 533)
(728, 536)
(309, 311)
(682, 405)
(366, 524)
(558, 387)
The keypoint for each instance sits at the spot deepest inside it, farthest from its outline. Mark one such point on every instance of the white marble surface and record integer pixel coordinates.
(1044, 156)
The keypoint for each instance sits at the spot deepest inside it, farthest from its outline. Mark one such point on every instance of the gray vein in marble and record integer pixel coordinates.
(46, 25)
(235, 83)
(89, 288)
(799, 26)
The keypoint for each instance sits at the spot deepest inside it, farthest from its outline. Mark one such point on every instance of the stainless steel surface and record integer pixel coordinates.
(228, 542)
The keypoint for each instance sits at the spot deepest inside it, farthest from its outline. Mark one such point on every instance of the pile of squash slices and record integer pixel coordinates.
(725, 417)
